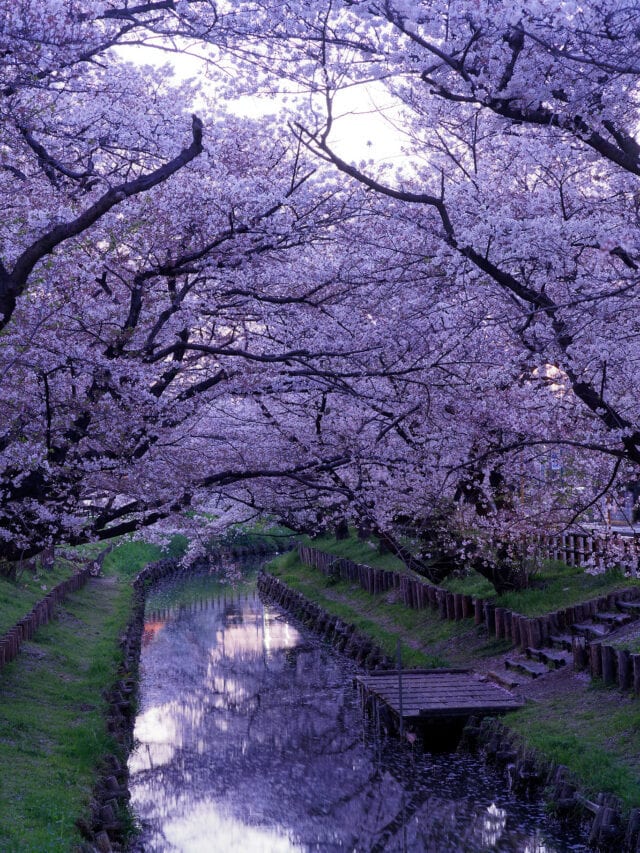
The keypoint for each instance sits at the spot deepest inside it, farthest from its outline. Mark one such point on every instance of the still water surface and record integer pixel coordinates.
(251, 738)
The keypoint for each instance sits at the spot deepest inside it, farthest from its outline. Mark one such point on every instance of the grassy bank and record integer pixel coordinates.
(358, 550)
(554, 586)
(595, 732)
(426, 640)
(18, 596)
(52, 724)
(592, 730)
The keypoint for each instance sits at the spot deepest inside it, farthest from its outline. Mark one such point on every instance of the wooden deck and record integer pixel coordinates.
(438, 693)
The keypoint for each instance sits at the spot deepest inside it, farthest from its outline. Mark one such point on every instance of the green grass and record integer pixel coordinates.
(19, 596)
(52, 725)
(469, 584)
(128, 558)
(427, 641)
(556, 585)
(595, 733)
(357, 550)
(562, 586)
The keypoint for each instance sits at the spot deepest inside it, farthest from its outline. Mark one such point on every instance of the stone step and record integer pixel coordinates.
(552, 659)
(631, 607)
(590, 630)
(561, 641)
(527, 667)
(615, 620)
(504, 679)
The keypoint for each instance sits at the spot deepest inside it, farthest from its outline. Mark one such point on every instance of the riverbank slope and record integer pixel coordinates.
(53, 723)
(568, 719)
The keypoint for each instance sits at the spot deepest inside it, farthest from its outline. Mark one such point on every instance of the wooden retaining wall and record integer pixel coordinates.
(40, 614)
(522, 631)
(345, 637)
(616, 667)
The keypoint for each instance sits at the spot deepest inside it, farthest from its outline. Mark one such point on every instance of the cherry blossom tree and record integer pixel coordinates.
(525, 115)
(231, 315)
(138, 251)
(522, 163)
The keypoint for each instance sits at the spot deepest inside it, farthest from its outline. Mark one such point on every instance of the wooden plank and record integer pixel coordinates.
(441, 693)
(430, 672)
(444, 688)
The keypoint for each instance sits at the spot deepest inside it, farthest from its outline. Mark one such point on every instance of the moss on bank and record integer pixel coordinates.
(593, 731)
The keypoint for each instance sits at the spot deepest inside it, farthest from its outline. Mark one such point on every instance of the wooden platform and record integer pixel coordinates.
(441, 693)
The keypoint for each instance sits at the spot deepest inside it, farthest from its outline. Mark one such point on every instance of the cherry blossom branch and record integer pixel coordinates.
(626, 153)
(51, 165)
(605, 412)
(13, 284)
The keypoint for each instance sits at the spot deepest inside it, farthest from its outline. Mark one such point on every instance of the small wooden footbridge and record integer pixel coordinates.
(420, 696)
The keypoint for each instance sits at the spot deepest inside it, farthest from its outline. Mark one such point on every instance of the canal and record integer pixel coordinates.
(250, 738)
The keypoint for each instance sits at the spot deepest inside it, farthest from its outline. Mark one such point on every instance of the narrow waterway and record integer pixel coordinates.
(250, 738)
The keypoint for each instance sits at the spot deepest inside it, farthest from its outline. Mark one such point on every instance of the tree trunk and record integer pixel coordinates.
(341, 530)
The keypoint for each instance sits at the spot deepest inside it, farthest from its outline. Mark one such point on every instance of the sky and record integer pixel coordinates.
(363, 128)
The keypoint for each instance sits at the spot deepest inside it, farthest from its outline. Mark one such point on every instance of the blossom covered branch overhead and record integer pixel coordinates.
(231, 314)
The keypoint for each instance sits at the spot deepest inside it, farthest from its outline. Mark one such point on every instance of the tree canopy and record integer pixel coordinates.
(208, 315)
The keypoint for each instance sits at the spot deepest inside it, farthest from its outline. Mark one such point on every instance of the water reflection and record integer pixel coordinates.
(251, 738)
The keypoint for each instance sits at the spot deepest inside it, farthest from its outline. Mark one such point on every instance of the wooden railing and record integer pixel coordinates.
(598, 551)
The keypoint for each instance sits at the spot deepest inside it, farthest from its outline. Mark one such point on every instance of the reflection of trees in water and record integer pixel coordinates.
(273, 737)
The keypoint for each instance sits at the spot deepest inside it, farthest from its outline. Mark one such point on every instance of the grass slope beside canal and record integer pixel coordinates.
(19, 596)
(592, 730)
(52, 723)
(427, 641)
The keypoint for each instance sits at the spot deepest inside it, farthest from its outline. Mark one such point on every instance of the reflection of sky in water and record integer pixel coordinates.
(204, 829)
(250, 738)
(161, 728)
